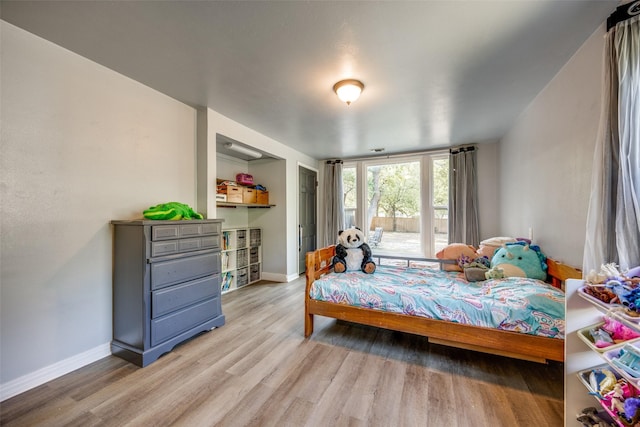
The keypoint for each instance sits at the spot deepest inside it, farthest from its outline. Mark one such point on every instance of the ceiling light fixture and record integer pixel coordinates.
(348, 90)
(244, 150)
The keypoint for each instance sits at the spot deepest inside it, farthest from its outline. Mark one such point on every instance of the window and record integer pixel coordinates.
(349, 181)
(440, 201)
(403, 205)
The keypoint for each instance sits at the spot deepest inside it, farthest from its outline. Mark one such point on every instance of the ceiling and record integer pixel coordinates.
(436, 73)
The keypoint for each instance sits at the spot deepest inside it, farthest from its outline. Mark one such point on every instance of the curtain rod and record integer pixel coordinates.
(393, 156)
(622, 13)
(456, 150)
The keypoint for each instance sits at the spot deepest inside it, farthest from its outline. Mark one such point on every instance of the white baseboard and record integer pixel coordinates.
(292, 277)
(51, 372)
(282, 278)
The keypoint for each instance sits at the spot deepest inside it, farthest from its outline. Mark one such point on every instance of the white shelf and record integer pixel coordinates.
(241, 205)
(241, 257)
(617, 312)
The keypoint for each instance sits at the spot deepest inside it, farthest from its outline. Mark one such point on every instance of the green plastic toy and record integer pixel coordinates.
(171, 211)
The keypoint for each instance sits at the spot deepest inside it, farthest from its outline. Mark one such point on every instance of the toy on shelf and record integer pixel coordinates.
(628, 360)
(591, 418)
(613, 287)
(616, 395)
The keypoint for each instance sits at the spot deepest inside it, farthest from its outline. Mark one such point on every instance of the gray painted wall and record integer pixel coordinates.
(81, 145)
(488, 190)
(545, 178)
(546, 158)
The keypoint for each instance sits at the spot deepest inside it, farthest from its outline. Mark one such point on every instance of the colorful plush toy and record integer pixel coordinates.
(352, 252)
(521, 260)
(171, 211)
(623, 287)
(458, 252)
(494, 273)
(631, 411)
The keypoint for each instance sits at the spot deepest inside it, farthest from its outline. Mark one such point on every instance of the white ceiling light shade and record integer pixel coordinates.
(348, 90)
(244, 150)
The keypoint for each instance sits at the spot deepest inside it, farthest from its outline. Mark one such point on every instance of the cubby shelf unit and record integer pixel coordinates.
(241, 257)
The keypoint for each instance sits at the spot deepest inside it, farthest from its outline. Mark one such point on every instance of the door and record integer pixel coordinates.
(307, 225)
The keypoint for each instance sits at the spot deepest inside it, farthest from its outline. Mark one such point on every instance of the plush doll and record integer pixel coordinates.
(474, 269)
(494, 273)
(631, 411)
(352, 252)
(521, 260)
(171, 211)
(458, 252)
(488, 247)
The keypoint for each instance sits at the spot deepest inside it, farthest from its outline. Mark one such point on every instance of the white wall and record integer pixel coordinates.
(273, 174)
(81, 145)
(488, 190)
(546, 158)
(545, 176)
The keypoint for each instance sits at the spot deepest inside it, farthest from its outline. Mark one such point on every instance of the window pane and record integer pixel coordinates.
(349, 181)
(440, 202)
(393, 208)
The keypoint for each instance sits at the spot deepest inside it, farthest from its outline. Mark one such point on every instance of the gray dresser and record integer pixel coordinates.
(166, 285)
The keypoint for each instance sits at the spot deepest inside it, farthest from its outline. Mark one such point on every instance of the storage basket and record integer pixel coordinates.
(233, 193)
(248, 195)
(244, 179)
(243, 277)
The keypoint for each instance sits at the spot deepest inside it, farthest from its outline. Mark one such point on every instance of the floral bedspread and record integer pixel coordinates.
(514, 304)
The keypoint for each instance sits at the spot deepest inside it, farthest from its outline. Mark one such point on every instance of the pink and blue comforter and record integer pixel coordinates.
(516, 304)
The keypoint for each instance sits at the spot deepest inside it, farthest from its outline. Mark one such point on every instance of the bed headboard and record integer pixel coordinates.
(318, 263)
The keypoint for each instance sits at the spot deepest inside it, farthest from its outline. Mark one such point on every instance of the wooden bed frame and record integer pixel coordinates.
(487, 340)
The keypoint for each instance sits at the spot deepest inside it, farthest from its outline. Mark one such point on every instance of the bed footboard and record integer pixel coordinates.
(317, 263)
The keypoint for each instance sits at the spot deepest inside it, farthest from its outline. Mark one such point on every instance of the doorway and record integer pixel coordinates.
(307, 217)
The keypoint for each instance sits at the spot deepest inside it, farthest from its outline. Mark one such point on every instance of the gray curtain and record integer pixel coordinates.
(613, 220)
(333, 196)
(463, 197)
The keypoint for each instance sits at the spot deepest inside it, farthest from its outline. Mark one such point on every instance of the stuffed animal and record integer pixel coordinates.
(494, 273)
(171, 211)
(631, 411)
(488, 247)
(521, 260)
(618, 288)
(458, 252)
(352, 252)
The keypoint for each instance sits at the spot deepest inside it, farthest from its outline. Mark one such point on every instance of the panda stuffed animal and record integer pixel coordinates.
(352, 252)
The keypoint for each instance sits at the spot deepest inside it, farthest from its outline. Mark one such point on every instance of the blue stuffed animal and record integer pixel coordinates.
(519, 259)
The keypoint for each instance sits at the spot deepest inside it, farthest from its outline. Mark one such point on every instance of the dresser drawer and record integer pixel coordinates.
(179, 296)
(169, 272)
(179, 230)
(177, 322)
(167, 247)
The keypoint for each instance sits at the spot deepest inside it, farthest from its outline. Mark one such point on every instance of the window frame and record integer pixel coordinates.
(427, 211)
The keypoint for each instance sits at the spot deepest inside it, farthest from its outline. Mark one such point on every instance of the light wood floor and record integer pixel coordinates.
(259, 370)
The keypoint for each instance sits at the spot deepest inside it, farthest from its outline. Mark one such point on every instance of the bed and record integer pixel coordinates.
(459, 314)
